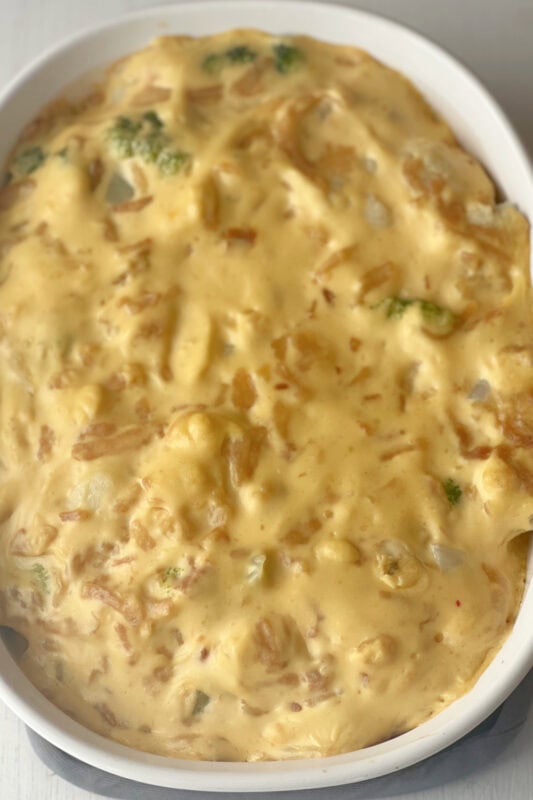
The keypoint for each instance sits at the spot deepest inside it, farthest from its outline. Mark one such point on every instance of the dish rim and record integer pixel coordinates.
(56, 727)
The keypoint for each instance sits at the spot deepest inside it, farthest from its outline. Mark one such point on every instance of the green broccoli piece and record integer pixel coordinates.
(172, 161)
(453, 491)
(169, 579)
(154, 119)
(41, 578)
(149, 147)
(241, 54)
(170, 575)
(441, 319)
(145, 138)
(395, 306)
(287, 58)
(122, 136)
(213, 63)
(29, 160)
(127, 126)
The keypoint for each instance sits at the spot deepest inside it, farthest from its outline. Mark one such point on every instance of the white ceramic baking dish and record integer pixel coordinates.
(482, 128)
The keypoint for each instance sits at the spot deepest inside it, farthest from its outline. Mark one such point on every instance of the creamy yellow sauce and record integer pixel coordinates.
(266, 402)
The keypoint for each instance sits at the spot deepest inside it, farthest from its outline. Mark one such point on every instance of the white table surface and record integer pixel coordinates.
(495, 39)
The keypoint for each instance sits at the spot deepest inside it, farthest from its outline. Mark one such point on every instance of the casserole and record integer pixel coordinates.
(255, 779)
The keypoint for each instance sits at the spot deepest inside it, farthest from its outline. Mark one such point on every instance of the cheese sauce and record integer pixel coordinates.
(266, 402)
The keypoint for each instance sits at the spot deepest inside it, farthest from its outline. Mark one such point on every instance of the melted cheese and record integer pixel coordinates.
(266, 416)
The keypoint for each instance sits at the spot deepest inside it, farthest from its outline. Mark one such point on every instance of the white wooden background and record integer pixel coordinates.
(494, 38)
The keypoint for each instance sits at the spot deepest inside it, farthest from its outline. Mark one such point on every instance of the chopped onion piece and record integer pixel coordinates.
(392, 547)
(377, 213)
(446, 558)
(16, 642)
(255, 568)
(201, 700)
(480, 390)
(90, 493)
(118, 190)
(336, 182)
(480, 214)
(370, 165)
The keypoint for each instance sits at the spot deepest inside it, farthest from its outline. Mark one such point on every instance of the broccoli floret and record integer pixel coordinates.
(146, 138)
(154, 119)
(172, 161)
(149, 147)
(241, 54)
(29, 160)
(438, 317)
(41, 578)
(287, 58)
(453, 491)
(213, 63)
(440, 320)
(127, 125)
(171, 574)
(395, 306)
(122, 136)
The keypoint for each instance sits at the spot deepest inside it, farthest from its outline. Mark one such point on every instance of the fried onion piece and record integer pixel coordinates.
(99, 446)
